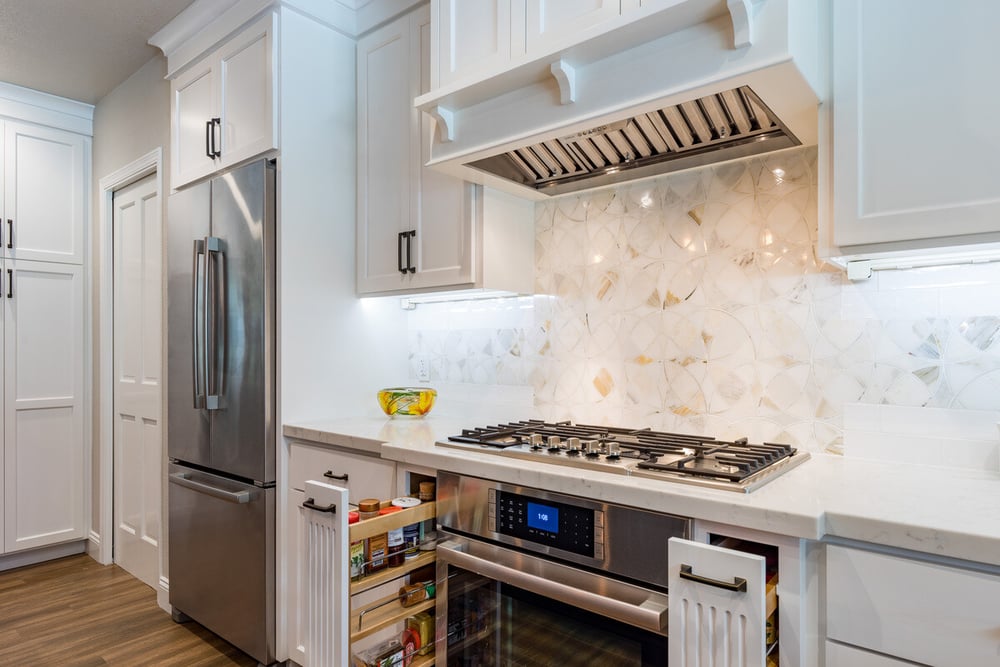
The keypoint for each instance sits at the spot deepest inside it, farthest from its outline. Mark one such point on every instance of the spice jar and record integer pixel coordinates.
(356, 554)
(394, 541)
(411, 532)
(412, 594)
(376, 546)
(426, 491)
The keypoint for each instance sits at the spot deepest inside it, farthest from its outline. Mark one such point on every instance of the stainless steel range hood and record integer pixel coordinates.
(724, 126)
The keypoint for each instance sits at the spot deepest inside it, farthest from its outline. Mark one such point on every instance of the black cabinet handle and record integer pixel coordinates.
(329, 475)
(216, 151)
(738, 584)
(10, 283)
(410, 235)
(310, 503)
(208, 139)
(10, 233)
(399, 252)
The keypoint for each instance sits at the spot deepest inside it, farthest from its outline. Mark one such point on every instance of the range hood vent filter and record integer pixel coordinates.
(724, 126)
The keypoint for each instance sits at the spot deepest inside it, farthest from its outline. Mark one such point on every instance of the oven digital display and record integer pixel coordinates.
(543, 517)
(549, 523)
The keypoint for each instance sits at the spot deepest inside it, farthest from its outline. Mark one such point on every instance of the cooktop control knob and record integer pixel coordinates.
(572, 445)
(555, 443)
(537, 441)
(614, 450)
(592, 448)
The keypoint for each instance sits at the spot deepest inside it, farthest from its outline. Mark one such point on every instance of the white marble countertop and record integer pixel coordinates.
(944, 511)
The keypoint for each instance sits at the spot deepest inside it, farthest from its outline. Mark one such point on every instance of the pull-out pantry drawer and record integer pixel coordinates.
(364, 476)
(925, 612)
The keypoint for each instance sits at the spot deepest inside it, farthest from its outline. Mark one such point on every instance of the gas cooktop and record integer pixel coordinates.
(736, 465)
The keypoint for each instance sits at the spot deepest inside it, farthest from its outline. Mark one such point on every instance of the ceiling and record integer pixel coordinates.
(80, 49)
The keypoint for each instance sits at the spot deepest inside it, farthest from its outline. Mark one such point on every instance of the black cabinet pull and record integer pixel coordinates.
(399, 252)
(10, 283)
(208, 139)
(329, 475)
(410, 235)
(216, 150)
(10, 233)
(738, 585)
(310, 503)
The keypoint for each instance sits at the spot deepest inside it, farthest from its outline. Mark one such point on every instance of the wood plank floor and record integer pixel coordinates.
(74, 612)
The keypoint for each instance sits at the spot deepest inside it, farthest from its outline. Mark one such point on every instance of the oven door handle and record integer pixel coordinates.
(623, 602)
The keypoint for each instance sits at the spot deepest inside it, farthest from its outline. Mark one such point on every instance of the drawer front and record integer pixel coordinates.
(839, 655)
(925, 612)
(367, 476)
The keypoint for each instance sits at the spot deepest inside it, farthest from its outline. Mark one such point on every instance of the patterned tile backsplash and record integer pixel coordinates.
(695, 302)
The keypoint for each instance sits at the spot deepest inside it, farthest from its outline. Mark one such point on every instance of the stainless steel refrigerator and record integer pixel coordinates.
(221, 409)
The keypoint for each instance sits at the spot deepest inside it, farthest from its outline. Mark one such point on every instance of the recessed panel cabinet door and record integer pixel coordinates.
(192, 109)
(44, 173)
(43, 404)
(474, 36)
(548, 21)
(246, 67)
(914, 144)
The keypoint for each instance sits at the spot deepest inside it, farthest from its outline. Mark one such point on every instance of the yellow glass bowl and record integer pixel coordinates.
(406, 401)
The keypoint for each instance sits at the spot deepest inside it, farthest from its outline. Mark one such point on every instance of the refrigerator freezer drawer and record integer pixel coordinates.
(222, 557)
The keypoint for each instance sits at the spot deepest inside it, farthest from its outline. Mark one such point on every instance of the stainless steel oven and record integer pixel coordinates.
(528, 577)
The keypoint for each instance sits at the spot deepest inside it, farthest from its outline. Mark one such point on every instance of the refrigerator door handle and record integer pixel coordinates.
(198, 323)
(184, 479)
(212, 367)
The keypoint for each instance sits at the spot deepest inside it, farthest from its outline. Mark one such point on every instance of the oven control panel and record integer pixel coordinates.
(546, 522)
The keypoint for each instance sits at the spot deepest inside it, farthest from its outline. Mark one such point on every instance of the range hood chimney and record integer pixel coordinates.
(724, 126)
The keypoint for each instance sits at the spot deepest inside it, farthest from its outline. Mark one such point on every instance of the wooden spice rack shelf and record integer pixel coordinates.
(389, 610)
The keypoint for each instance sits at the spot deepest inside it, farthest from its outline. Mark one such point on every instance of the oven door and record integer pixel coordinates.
(496, 606)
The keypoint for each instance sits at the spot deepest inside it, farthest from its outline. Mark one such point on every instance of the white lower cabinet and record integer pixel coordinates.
(363, 475)
(924, 612)
(43, 380)
(839, 655)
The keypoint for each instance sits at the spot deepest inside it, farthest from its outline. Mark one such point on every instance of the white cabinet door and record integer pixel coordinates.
(192, 111)
(474, 36)
(839, 655)
(385, 116)
(223, 109)
(44, 212)
(246, 75)
(914, 149)
(443, 206)
(710, 624)
(928, 613)
(552, 21)
(43, 404)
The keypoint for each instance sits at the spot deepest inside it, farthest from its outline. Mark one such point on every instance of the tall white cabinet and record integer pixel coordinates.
(42, 288)
(419, 229)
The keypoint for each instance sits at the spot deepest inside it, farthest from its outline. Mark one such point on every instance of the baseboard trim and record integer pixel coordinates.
(34, 556)
(163, 594)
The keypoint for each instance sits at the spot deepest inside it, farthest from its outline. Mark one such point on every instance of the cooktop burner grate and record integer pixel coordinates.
(641, 451)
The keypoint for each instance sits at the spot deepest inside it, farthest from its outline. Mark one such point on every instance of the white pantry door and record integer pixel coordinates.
(138, 435)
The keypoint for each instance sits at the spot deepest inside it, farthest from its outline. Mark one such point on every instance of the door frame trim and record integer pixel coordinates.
(101, 540)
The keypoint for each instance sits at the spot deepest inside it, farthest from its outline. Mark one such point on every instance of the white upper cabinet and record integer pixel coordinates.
(223, 107)
(45, 193)
(473, 35)
(911, 152)
(419, 229)
(552, 20)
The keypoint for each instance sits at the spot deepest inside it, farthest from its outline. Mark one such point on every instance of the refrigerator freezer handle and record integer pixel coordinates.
(212, 366)
(184, 479)
(198, 323)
